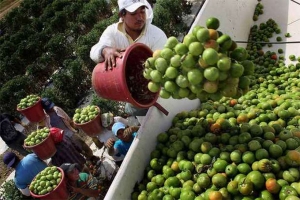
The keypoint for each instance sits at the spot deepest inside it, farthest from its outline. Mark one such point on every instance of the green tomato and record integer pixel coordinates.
(287, 191)
(291, 175)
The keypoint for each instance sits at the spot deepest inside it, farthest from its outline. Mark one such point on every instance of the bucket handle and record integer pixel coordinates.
(162, 109)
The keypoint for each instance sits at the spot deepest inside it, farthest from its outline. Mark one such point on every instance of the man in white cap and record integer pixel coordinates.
(125, 137)
(134, 26)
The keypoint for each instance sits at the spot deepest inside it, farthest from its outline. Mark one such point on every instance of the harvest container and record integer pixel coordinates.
(60, 192)
(126, 82)
(93, 127)
(34, 113)
(236, 20)
(44, 150)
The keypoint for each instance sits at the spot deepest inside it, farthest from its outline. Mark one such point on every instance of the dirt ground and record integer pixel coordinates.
(7, 5)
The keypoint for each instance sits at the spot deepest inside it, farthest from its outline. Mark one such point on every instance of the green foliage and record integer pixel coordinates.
(85, 42)
(8, 191)
(39, 37)
(63, 80)
(161, 16)
(94, 11)
(41, 45)
(13, 91)
(174, 16)
(115, 107)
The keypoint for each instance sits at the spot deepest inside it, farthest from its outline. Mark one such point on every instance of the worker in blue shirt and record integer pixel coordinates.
(125, 137)
(25, 169)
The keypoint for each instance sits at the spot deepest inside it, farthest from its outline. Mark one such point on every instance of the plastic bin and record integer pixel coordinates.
(60, 192)
(93, 127)
(44, 150)
(126, 82)
(34, 113)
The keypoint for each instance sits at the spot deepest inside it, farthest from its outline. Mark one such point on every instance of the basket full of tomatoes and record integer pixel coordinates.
(41, 143)
(31, 108)
(49, 184)
(88, 119)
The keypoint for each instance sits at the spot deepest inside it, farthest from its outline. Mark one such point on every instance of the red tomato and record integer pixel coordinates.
(274, 57)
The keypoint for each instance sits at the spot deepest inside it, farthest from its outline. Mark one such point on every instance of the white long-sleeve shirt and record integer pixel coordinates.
(115, 36)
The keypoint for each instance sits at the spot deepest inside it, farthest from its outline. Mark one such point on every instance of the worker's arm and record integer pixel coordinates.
(110, 146)
(97, 142)
(106, 40)
(14, 119)
(130, 130)
(86, 192)
(109, 46)
(109, 54)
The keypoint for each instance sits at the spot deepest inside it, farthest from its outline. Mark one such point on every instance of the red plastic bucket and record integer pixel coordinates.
(34, 113)
(60, 192)
(126, 82)
(44, 150)
(93, 127)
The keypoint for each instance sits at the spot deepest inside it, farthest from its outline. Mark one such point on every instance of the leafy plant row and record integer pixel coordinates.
(44, 46)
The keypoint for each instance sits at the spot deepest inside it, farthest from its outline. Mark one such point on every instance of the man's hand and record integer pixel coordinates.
(75, 189)
(24, 125)
(130, 130)
(110, 54)
(97, 142)
(110, 143)
(72, 123)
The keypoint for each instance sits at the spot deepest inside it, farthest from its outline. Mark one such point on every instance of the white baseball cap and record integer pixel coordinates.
(130, 5)
(117, 126)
